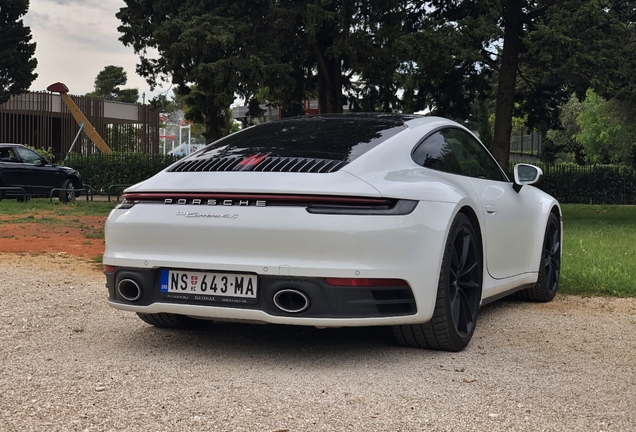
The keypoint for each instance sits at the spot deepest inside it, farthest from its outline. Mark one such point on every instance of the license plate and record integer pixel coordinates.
(209, 286)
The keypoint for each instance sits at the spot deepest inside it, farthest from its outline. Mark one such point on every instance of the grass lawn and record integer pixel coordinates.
(599, 244)
(599, 250)
(80, 207)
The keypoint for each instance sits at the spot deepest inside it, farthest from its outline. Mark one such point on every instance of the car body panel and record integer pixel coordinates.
(337, 183)
(506, 215)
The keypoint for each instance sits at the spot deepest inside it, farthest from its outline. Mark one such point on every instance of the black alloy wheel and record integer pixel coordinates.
(458, 295)
(550, 266)
(464, 282)
(69, 194)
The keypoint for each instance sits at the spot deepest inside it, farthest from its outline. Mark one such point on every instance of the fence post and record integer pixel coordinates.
(99, 171)
(624, 194)
(594, 184)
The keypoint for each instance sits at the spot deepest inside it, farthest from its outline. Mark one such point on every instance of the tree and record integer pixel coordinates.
(373, 56)
(17, 64)
(208, 49)
(341, 52)
(562, 139)
(577, 45)
(395, 55)
(556, 47)
(607, 131)
(484, 125)
(107, 86)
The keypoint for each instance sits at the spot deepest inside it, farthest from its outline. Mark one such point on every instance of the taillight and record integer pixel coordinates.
(366, 282)
(125, 204)
(381, 207)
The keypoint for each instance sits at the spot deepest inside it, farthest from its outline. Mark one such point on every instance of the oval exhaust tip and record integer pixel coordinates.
(129, 289)
(291, 300)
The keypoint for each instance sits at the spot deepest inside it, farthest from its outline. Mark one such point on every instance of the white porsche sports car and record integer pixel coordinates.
(335, 220)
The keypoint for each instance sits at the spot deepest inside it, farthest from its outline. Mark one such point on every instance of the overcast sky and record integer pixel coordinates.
(75, 40)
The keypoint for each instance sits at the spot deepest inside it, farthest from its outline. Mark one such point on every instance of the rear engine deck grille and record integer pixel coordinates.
(263, 163)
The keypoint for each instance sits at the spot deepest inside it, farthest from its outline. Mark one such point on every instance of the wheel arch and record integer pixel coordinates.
(474, 220)
(449, 328)
(548, 208)
(556, 209)
(76, 180)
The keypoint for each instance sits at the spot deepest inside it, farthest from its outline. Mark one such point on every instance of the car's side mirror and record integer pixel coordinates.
(526, 175)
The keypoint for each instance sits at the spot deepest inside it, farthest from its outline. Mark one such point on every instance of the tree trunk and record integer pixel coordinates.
(513, 22)
(329, 81)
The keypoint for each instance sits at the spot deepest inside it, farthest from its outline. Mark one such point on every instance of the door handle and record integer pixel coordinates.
(491, 208)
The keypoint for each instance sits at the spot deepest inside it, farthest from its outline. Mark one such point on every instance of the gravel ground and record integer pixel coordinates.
(69, 362)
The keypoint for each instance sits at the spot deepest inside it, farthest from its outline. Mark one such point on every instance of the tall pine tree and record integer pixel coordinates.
(17, 64)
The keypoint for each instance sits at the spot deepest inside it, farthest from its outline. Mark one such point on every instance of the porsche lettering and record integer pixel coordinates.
(215, 202)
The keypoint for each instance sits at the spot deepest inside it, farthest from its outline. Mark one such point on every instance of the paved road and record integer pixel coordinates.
(68, 362)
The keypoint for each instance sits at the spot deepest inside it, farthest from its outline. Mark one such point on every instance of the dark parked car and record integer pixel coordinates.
(24, 168)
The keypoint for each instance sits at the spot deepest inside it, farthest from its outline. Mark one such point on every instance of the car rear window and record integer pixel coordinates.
(343, 138)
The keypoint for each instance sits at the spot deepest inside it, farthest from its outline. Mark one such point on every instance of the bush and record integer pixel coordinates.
(103, 170)
(47, 153)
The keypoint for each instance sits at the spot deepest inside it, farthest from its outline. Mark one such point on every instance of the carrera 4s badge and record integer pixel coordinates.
(207, 215)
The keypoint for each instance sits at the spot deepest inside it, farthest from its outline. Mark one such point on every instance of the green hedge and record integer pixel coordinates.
(596, 184)
(569, 183)
(103, 170)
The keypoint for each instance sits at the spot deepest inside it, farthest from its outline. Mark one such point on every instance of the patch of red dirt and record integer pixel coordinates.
(68, 238)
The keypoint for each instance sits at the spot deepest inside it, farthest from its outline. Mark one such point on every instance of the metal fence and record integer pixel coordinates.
(526, 144)
(595, 184)
(41, 120)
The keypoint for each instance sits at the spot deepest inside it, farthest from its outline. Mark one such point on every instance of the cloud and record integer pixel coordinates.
(75, 40)
(34, 18)
(105, 4)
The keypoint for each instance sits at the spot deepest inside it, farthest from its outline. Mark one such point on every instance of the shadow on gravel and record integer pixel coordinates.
(279, 343)
(275, 342)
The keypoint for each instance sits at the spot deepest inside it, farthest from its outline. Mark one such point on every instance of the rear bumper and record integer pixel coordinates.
(324, 301)
(285, 247)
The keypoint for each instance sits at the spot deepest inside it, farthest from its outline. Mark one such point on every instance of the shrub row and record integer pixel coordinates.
(103, 170)
(569, 183)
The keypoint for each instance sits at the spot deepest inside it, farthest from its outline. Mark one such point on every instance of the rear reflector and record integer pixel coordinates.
(109, 269)
(365, 282)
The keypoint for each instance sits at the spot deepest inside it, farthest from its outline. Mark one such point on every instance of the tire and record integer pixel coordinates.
(550, 267)
(70, 195)
(458, 295)
(174, 321)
